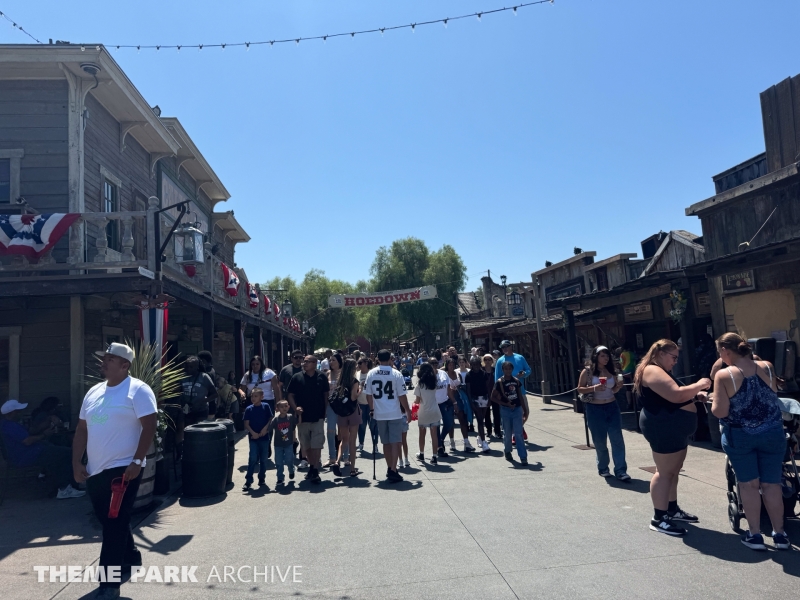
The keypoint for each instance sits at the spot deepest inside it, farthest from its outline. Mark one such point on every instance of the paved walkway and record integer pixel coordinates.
(473, 527)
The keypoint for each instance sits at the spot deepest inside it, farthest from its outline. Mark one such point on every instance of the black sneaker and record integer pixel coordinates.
(524, 462)
(291, 474)
(246, 487)
(394, 477)
(314, 476)
(682, 515)
(665, 525)
(509, 458)
(441, 451)
(261, 483)
(420, 456)
(434, 461)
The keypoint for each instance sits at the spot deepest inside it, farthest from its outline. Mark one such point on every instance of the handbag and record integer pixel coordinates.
(341, 403)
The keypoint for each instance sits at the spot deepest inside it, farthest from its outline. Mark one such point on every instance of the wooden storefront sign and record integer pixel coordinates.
(638, 311)
(702, 303)
(742, 281)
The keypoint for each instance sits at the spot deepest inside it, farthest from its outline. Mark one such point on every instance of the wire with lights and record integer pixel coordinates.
(15, 25)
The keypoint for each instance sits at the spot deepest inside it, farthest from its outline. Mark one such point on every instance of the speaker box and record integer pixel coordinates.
(764, 348)
(785, 357)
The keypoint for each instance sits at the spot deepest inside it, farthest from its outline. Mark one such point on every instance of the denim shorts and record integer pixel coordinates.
(758, 456)
(391, 432)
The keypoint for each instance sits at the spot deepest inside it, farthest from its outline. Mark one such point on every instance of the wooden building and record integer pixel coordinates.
(751, 229)
(76, 136)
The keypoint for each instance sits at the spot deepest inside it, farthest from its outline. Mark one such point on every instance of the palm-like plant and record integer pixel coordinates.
(163, 379)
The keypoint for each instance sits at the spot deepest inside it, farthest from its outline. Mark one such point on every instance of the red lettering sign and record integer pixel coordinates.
(360, 302)
(415, 295)
(349, 301)
(388, 299)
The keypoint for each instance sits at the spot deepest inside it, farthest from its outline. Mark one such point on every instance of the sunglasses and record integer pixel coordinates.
(296, 357)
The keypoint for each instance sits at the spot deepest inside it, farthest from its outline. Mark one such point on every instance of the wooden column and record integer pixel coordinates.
(238, 359)
(208, 330)
(256, 345)
(572, 350)
(76, 356)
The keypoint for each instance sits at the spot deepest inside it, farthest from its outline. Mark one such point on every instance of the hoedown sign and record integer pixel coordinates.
(426, 292)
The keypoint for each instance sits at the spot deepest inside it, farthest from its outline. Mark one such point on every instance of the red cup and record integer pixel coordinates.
(118, 487)
(603, 381)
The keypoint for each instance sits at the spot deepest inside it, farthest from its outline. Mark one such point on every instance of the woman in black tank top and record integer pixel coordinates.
(668, 420)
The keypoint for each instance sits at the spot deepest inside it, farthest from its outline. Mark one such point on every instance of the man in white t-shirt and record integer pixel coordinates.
(117, 424)
(386, 394)
(325, 365)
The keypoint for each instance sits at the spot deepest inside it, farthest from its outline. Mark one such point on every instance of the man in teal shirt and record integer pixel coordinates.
(521, 367)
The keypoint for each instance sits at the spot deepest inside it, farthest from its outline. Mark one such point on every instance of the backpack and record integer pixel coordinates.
(341, 403)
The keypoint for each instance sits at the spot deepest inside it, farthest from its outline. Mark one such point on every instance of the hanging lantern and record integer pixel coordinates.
(189, 245)
(287, 309)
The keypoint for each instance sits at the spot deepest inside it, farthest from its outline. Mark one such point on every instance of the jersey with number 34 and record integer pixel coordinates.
(385, 385)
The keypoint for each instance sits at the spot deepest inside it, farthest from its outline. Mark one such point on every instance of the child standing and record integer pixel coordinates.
(508, 394)
(282, 427)
(256, 419)
(476, 390)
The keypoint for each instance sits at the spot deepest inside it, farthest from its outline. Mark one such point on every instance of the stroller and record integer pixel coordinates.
(790, 482)
(407, 379)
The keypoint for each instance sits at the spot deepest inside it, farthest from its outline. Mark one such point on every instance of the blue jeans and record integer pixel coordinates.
(284, 456)
(512, 425)
(362, 429)
(605, 422)
(259, 452)
(448, 421)
(330, 427)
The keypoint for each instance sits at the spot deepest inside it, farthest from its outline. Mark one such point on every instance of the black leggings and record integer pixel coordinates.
(480, 415)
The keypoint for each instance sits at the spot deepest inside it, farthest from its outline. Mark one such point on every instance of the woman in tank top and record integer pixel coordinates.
(668, 420)
(599, 382)
(335, 365)
(746, 402)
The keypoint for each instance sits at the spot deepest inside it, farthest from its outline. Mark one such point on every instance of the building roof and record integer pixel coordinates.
(115, 91)
(677, 236)
(468, 303)
(468, 326)
(571, 259)
(228, 224)
(190, 158)
(608, 261)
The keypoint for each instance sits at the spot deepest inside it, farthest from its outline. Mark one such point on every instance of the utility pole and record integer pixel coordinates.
(537, 308)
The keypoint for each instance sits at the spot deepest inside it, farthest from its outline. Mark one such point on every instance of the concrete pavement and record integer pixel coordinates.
(475, 526)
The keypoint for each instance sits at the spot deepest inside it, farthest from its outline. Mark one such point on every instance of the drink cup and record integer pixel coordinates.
(118, 487)
(603, 381)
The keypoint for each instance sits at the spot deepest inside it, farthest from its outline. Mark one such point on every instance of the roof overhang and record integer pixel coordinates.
(190, 158)
(762, 256)
(744, 190)
(607, 261)
(230, 226)
(563, 263)
(115, 91)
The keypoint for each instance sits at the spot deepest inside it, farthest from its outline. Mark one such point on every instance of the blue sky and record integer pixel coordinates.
(590, 123)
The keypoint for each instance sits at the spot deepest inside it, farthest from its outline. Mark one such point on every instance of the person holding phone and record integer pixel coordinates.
(668, 420)
(598, 383)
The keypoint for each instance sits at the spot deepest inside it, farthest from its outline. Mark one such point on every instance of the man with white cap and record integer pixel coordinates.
(26, 450)
(117, 424)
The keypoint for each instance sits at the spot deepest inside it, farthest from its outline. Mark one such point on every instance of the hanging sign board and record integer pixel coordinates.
(426, 292)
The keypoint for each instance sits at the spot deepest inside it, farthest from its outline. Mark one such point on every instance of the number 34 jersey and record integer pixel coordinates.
(385, 384)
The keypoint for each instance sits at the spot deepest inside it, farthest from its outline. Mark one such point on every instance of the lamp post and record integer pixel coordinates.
(503, 280)
(537, 290)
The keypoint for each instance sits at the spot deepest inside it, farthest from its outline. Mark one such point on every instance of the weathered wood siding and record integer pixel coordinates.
(780, 112)
(738, 221)
(677, 256)
(131, 167)
(33, 117)
(44, 345)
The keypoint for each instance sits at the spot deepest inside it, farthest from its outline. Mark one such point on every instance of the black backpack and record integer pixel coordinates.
(341, 403)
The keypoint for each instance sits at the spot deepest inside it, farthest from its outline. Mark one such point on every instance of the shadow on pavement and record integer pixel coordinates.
(198, 502)
(536, 447)
(634, 485)
(728, 547)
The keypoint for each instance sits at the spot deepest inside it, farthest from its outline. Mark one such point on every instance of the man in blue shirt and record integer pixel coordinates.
(521, 367)
(26, 450)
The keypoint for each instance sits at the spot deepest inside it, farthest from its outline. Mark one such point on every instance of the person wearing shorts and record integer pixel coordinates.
(385, 396)
(308, 397)
(428, 414)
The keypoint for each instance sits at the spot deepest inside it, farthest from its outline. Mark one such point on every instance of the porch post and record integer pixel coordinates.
(76, 356)
(256, 338)
(208, 330)
(238, 359)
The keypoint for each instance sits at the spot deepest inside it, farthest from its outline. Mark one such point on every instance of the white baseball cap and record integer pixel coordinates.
(11, 406)
(120, 350)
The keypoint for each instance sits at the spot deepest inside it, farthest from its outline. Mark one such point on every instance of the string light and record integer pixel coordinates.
(15, 26)
(382, 30)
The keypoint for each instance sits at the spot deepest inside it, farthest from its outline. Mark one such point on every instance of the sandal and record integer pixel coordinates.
(354, 472)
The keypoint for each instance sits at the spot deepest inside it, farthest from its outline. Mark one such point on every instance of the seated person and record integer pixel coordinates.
(50, 416)
(26, 450)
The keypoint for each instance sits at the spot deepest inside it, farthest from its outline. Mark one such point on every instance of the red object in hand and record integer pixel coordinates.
(603, 380)
(414, 411)
(118, 487)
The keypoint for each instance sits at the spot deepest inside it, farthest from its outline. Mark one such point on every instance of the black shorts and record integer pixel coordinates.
(668, 432)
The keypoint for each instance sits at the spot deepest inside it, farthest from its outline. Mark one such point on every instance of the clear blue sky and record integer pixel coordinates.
(588, 123)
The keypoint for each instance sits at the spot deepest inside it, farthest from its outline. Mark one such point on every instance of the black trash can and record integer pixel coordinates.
(205, 460)
(229, 425)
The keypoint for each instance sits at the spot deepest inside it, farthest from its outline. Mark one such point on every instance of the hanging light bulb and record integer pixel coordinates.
(200, 47)
(382, 30)
(272, 42)
(223, 47)
(479, 16)
(83, 48)
(325, 38)
(515, 11)
(352, 35)
(96, 47)
(297, 42)
(179, 48)
(158, 48)
(413, 27)
(445, 22)
(248, 46)
(138, 49)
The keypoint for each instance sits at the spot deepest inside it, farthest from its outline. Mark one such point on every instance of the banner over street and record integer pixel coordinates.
(426, 292)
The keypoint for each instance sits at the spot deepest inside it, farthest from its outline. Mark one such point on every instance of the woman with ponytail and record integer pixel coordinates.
(668, 420)
(746, 403)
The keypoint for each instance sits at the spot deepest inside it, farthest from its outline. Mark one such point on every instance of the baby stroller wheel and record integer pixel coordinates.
(734, 516)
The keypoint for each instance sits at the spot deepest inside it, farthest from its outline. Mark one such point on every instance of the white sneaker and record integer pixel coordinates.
(360, 447)
(70, 492)
(485, 446)
(468, 447)
(453, 445)
(407, 464)
(303, 464)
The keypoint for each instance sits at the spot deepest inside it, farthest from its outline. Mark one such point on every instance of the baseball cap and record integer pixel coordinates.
(12, 405)
(505, 343)
(118, 349)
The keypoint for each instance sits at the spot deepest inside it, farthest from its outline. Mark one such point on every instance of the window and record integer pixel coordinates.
(111, 204)
(5, 180)
(602, 278)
